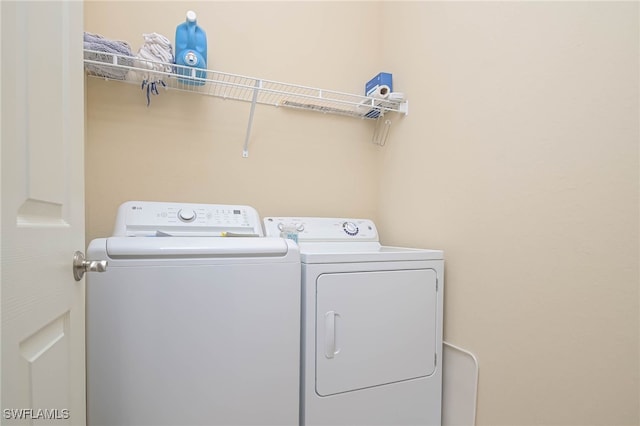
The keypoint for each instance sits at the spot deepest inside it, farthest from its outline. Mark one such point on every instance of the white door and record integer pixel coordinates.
(43, 363)
(374, 328)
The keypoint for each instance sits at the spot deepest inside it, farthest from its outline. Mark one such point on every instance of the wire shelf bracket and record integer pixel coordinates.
(245, 149)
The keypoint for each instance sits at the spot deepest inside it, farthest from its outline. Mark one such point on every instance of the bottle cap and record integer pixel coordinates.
(191, 16)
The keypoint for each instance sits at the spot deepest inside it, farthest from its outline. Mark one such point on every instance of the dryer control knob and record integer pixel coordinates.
(187, 215)
(350, 228)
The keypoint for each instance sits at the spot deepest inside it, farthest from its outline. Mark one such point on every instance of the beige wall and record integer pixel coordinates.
(519, 158)
(188, 148)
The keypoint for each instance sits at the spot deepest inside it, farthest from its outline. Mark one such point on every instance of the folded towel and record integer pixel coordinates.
(115, 46)
(156, 54)
(99, 43)
(156, 48)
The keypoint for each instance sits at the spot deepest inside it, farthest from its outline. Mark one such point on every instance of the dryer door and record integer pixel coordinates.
(374, 328)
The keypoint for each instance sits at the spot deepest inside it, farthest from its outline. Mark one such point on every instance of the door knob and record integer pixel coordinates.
(81, 265)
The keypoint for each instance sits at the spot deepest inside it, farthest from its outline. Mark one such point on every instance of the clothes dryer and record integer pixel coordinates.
(195, 321)
(371, 325)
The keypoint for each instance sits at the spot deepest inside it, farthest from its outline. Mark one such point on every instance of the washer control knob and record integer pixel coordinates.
(187, 215)
(350, 228)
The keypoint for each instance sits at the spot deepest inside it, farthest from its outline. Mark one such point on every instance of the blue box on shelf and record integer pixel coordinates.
(382, 79)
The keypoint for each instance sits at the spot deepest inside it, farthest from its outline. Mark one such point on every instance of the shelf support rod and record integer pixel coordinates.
(381, 131)
(245, 150)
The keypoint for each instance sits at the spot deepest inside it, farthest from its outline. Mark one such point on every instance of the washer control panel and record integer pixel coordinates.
(147, 218)
(322, 228)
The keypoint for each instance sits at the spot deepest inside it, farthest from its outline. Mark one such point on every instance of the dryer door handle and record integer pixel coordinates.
(330, 349)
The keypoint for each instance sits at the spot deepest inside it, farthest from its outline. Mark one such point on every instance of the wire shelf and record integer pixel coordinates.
(232, 86)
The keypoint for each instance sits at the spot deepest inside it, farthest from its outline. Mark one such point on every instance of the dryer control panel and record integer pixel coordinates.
(322, 228)
(157, 219)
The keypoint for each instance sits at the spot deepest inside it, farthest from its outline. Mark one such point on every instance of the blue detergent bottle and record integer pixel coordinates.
(191, 50)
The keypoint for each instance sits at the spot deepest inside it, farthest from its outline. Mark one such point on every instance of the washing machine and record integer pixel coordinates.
(195, 320)
(371, 347)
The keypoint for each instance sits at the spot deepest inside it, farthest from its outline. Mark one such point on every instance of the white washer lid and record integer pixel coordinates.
(184, 247)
